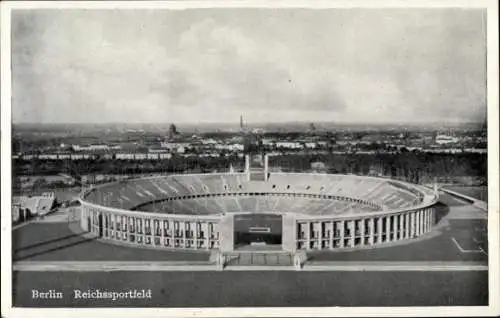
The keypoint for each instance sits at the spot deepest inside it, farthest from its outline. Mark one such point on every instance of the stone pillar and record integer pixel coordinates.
(412, 224)
(308, 235)
(143, 226)
(137, 226)
(371, 225)
(362, 230)
(184, 229)
(83, 217)
(428, 221)
(126, 228)
(407, 225)
(388, 229)
(431, 218)
(289, 233)
(380, 229)
(318, 235)
(162, 232)
(394, 227)
(196, 233)
(422, 221)
(417, 223)
(226, 230)
(332, 233)
(342, 234)
(352, 227)
(401, 226)
(205, 238)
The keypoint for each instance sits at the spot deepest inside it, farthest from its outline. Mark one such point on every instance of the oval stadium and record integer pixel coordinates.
(258, 209)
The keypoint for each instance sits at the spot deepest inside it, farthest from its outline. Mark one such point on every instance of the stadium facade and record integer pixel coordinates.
(226, 211)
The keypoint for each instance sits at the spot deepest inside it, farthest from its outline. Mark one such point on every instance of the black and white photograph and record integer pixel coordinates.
(237, 158)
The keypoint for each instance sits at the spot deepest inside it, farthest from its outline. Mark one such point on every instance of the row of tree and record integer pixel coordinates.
(411, 166)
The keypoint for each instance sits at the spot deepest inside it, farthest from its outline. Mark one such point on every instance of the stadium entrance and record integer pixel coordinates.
(258, 231)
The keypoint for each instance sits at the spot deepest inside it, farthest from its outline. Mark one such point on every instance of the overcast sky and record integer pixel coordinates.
(341, 65)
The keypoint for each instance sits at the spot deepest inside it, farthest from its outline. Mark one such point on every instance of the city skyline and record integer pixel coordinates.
(210, 66)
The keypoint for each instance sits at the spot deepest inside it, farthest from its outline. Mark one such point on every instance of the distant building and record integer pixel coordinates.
(176, 146)
(289, 145)
(26, 206)
(230, 147)
(445, 139)
(92, 147)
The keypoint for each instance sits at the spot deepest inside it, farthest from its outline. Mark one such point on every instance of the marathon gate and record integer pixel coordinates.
(257, 228)
(270, 229)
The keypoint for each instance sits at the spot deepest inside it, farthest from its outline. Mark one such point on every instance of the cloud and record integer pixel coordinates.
(270, 65)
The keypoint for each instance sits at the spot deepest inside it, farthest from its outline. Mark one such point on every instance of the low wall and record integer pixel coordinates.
(477, 203)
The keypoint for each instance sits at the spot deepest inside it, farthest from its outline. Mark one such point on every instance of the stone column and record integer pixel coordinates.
(394, 227)
(342, 234)
(318, 235)
(126, 228)
(209, 233)
(137, 227)
(417, 223)
(162, 232)
(412, 224)
(429, 219)
(196, 233)
(206, 237)
(153, 230)
(371, 225)
(184, 229)
(143, 225)
(308, 235)
(407, 225)
(352, 227)
(388, 229)
(401, 226)
(332, 233)
(422, 222)
(362, 230)
(380, 229)
(429, 226)
(83, 217)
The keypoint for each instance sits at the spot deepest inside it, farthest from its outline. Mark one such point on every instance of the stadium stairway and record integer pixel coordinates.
(258, 258)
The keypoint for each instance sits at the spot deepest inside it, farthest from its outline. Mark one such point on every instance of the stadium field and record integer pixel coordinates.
(235, 289)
